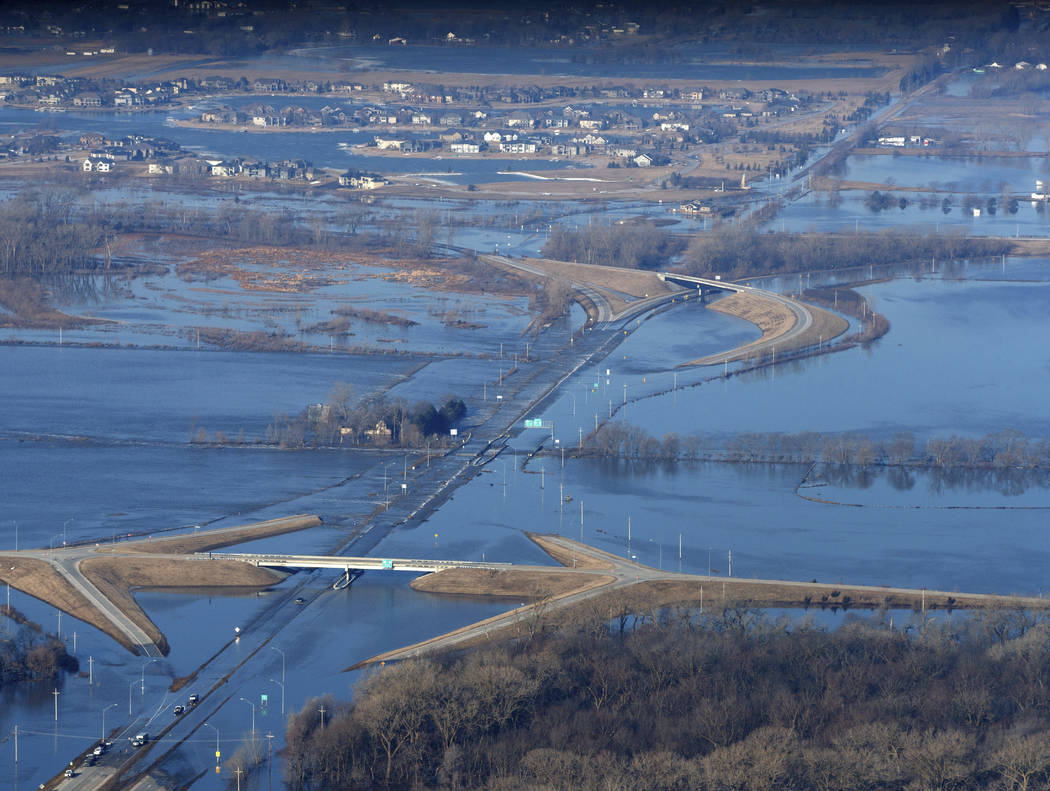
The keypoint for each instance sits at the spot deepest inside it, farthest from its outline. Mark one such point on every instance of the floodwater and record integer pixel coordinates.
(956, 360)
(323, 149)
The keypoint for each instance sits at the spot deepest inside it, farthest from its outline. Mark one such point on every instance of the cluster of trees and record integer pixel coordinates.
(39, 236)
(635, 246)
(373, 421)
(742, 251)
(1003, 450)
(721, 701)
(28, 654)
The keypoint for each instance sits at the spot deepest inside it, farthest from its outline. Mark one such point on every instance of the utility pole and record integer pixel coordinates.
(56, 693)
(91, 671)
(730, 563)
(322, 710)
(269, 766)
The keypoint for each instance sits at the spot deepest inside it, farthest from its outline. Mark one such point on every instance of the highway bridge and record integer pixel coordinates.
(705, 285)
(350, 563)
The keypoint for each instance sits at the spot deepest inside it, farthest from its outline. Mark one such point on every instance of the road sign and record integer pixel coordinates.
(533, 422)
(388, 564)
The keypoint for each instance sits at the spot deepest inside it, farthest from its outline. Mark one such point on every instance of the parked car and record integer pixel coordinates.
(194, 699)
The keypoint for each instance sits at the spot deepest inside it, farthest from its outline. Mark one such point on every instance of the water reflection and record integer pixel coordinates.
(941, 484)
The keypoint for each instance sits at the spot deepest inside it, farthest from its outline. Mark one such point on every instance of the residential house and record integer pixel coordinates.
(518, 147)
(390, 144)
(361, 181)
(696, 208)
(465, 147)
(380, 435)
(224, 168)
(269, 85)
(570, 149)
(98, 163)
(519, 120)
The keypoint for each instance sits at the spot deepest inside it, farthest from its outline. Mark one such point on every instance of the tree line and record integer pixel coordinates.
(742, 251)
(48, 233)
(726, 700)
(635, 246)
(1002, 450)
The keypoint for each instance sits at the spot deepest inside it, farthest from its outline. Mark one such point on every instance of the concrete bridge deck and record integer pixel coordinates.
(350, 563)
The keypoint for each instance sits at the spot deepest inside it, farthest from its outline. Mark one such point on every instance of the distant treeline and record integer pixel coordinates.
(742, 251)
(47, 233)
(28, 654)
(635, 246)
(1006, 449)
(724, 701)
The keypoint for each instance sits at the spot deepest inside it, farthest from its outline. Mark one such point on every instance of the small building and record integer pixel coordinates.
(96, 163)
(518, 147)
(160, 168)
(381, 434)
(696, 209)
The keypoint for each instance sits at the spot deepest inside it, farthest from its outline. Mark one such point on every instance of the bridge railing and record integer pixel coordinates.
(337, 561)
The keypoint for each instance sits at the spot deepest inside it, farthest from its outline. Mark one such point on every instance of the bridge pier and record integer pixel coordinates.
(345, 581)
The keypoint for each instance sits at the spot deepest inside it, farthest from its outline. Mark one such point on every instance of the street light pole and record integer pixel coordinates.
(142, 676)
(107, 708)
(216, 740)
(275, 648)
(275, 681)
(253, 716)
(64, 530)
(131, 686)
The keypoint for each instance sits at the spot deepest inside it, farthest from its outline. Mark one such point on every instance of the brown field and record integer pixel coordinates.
(773, 319)
(40, 580)
(611, 282)
(514, 583)
(566, 557)
(191, 66)
(116, 577)
(647, 596)
(206, 540)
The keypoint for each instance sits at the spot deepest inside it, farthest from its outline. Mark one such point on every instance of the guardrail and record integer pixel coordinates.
(339, 562)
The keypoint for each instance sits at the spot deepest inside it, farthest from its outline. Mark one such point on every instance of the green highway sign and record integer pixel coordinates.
(533, 422)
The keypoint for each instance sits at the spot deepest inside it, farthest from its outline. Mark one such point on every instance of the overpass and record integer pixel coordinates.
(350, 563)
(705, 285)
